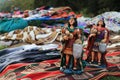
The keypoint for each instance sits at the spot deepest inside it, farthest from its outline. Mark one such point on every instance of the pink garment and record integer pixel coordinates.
(17, 12)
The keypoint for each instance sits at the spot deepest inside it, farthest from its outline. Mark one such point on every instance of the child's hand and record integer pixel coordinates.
(104, 40)
(71, 36)
(67, 32)
(91, 35)
(65, 37)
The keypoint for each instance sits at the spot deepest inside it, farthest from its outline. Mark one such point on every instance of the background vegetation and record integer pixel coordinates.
(87, 7)
(8, 5)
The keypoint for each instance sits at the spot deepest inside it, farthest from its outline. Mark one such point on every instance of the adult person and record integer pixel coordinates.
(71, 34)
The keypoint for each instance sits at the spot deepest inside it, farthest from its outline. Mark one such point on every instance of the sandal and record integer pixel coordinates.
(99, 63)
(74, 68)
(64, 67)
(91, 62)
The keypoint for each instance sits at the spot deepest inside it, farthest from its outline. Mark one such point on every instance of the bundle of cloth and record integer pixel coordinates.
(114, 44)
(47, 14)
(32, 34)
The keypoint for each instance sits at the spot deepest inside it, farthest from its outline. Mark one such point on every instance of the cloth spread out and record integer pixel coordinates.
(49, 69)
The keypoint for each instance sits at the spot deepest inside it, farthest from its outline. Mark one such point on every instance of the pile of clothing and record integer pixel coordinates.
(32, 34)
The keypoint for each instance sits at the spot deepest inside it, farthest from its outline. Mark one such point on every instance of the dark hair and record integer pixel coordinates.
(89, 26)
(103, 25)
(75, 23)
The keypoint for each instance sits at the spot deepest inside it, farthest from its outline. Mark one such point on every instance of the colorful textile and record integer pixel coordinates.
(7, 25)
(20, 54)
(49, 69)
(32, 34)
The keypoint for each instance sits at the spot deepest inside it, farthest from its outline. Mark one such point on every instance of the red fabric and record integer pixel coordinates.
(51, 72)
(79, 15)
(64, 15)
(111, 65)
(113, 53)
(42, 75)
(12, 67)
(71, 13)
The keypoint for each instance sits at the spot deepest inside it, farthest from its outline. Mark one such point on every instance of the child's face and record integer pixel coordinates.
(100, 22)
(71, 21)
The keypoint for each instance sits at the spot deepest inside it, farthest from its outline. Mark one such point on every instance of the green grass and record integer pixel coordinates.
(2, 47)
(111, 78)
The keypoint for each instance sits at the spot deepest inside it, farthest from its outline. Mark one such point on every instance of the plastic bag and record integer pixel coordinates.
(77, 50)
(102, 47)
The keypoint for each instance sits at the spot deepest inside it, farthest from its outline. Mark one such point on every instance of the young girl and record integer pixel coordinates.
(99, 34)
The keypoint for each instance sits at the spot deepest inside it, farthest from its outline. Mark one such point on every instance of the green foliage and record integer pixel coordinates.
(111, 78)
(7, 5)
(85, 12)
(23, 4)
(2, 47)
(87, 7)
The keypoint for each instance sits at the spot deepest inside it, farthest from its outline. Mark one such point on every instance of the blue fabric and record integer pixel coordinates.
(48, 18)
(7, 25)
(16, 55)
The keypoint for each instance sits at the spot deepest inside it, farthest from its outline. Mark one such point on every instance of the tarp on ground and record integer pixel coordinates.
(7, 25)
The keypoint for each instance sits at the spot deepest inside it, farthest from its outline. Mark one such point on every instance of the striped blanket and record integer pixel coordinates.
(49, 70)
(31, 64)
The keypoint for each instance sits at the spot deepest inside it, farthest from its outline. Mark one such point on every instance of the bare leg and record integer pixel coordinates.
(75, 63)
(93, 55)
(67, 59)
(99, 58)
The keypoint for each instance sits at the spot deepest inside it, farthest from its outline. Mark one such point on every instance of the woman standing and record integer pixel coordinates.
(71, 34)
(99, 34)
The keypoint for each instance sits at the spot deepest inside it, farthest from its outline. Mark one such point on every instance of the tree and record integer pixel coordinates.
(109, 5)
(22, 4)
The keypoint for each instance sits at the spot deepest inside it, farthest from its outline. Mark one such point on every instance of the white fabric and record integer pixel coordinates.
(53, 39)
(49, 46)
(2, 38)
(25, 35)
(102, 47)
(77, 50)
(116, 37)
(43, 47)
(113, 45)
(14, 37)
(10, 33)
(43, 35)
(32, 35)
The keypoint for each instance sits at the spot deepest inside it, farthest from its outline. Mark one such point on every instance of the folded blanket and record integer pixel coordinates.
(27, 53)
